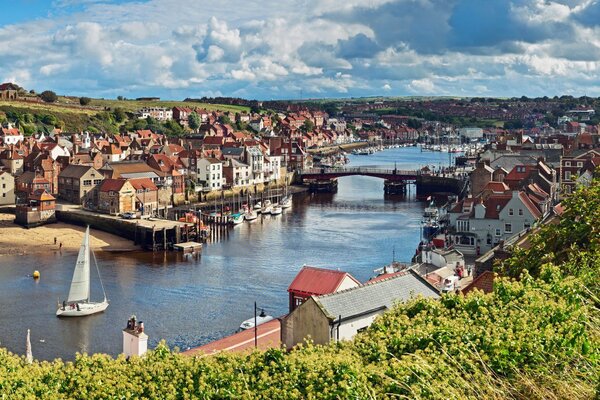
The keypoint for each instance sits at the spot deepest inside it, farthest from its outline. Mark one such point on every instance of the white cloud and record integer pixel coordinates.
(422, 86)
(322, 47)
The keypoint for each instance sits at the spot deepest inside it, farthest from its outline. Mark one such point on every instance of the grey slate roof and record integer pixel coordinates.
(232, 151)
(75, 171)
(375, 296)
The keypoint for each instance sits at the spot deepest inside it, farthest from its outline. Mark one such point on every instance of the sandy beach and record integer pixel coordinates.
(15, 239)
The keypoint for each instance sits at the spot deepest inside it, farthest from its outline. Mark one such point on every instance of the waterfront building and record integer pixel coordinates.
(78, 184)
(116, 196)
(312, 281)
(236, 173)
(7, 189)
(341, 315)
(38, 209)
(479, 224)
(210, 173)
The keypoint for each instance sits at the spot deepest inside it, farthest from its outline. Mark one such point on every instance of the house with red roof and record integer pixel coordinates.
(313, 281)
(146, 195)
(116, 196)
(10, 136)
(479, 224)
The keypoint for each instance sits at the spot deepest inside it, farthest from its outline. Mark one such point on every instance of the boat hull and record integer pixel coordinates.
(84, 309)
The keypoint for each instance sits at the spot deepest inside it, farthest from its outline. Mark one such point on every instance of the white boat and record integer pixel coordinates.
(251, 215)
(78, 302)
(258, 206)
(236, 219)
(286, 202)
(260, 319)
(267, 207)
(276, 209)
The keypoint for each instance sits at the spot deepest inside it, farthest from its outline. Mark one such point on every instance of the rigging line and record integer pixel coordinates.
(98, 270)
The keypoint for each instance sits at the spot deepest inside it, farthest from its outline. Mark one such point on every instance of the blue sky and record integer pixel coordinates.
(276, 49)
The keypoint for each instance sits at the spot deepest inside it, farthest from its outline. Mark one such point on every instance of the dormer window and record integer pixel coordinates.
(498, 207)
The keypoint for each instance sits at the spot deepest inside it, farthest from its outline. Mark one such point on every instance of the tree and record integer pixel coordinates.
(84, 101)
(194, 121)
(308, 125)
(224, 119)
(119, 114)
(49, 96)
(120, 98)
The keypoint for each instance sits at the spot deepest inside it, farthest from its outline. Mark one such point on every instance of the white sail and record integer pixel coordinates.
(80, 284)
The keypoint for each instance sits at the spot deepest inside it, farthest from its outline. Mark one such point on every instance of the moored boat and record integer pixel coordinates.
(78, 302)
(286, 202)
(276, 209)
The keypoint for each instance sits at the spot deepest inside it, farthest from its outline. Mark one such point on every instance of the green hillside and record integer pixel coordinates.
(100, 115)
(535, 337)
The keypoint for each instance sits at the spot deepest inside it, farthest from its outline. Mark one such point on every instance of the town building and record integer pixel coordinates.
(78, 184)
(210, 173)
(313, 281)
(341, 315)
(7, 188)
(116, 196)
(39, 208)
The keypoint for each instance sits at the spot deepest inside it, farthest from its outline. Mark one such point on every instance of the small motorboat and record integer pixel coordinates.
(237, 218)
(258, 207)
(251, 215)
(276, 209)
(260, 319)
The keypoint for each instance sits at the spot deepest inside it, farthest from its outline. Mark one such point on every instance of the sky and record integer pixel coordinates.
(299, 49)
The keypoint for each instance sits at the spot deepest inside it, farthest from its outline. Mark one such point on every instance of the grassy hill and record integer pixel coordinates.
(537, 336)
(67, 113)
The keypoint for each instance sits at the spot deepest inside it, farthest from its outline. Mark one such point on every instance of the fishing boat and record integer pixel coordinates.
(251, 215)
(78, 302)
(286, 202)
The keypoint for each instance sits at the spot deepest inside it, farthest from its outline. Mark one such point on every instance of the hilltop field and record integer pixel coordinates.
(98, 115)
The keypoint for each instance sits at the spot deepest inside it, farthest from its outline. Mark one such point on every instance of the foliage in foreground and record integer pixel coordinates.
(537, 337)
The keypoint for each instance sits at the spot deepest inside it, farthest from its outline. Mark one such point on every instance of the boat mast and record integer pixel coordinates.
(99, 277)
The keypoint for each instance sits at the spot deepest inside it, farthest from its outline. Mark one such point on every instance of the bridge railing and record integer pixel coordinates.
(357, 170)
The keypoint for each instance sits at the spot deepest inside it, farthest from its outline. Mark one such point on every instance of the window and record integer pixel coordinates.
(567, 175)
(87, 182)
(567, 163)
(498, 233)
(97, 181)
(298, 301)
(508, 228)
(520, 211)
(580, 164)
(511, 211)
(526, 225)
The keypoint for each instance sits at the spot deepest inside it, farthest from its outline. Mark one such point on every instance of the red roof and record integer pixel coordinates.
(113, 185)
(143, 184)
(494, 204)
(484, 282)
(312, 281)
(498, 187)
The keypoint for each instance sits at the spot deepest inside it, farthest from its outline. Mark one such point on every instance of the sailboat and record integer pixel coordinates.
(78, 302)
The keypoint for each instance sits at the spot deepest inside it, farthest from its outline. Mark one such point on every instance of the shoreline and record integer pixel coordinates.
(16, 240)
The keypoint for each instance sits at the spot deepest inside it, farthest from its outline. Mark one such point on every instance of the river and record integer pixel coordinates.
(189, 301)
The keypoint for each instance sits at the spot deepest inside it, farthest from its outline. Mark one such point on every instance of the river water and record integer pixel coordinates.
(190, 301)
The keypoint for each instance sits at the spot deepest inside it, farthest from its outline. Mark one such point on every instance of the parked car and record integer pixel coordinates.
(128, 215)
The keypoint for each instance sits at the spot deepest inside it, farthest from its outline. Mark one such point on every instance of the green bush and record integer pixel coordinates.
(535, 337)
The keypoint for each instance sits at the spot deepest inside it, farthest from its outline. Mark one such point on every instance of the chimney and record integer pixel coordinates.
(135, 341)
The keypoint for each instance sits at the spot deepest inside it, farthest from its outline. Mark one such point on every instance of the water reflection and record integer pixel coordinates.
(189, 301)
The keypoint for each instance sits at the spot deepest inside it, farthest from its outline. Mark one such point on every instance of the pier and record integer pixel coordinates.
(151, 234)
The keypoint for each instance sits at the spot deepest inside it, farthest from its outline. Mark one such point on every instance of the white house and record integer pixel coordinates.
(481, 224)
(255, 159)
(210, 173)
(11, 135)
